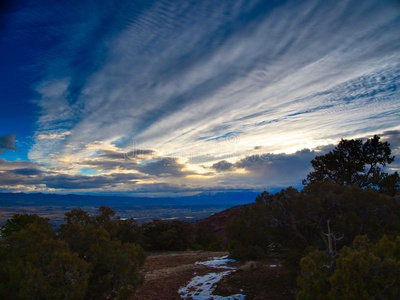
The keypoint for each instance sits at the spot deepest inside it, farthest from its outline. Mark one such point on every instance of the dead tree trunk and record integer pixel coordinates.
(332, 249)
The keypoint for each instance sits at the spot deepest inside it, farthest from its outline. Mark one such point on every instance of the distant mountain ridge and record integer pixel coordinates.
(41, 199)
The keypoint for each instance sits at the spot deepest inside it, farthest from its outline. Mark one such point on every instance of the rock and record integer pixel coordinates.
(249, 265)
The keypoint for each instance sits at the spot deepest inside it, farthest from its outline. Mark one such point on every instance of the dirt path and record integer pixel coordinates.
(166, 273)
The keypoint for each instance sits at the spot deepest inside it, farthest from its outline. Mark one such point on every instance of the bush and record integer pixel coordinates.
(35, 265)
(365, 271)
(314, 272)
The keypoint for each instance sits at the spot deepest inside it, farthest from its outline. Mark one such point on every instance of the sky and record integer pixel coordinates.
(179, 97)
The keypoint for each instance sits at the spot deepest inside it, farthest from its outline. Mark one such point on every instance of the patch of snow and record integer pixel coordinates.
(202, 287)
(217, 262)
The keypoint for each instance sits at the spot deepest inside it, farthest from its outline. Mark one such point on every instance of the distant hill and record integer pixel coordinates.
(218, 222)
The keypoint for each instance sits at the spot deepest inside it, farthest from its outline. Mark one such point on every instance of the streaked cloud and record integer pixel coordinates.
(53, 135)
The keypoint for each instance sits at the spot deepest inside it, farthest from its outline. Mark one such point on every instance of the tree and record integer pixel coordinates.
(113, 265)
(353, 162)
(164, 235)
(324, 215)
(115, 270)
(36, 265)
(21, 221)
(252, 232)
(206, 240)
(129, 231)
(78, 216)
(118, 229)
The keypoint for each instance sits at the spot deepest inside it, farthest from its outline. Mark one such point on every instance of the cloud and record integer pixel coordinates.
(159, 166)
(7, 142)
(110, 165)
(278, 166)
(53, 135)
(12, 165)
(20, 173)
(130, 154)
(393, 137)
(223, 165)
(269, 170)
(27, 171)
(88, 182)
(168, 166)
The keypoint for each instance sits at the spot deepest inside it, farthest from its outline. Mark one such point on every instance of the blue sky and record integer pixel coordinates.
(158, 97)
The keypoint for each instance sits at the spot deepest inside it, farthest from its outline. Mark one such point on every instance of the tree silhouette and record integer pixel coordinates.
(354, 163)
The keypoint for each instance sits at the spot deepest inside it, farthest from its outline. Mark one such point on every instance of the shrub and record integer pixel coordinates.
(364, 271)
(35, 265)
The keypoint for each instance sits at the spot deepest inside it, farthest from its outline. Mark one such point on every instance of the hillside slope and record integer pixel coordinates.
(218, 222)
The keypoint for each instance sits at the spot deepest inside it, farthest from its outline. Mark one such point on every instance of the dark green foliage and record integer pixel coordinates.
(206, 240)
(118, 229)
(350, 211)
(323, 215)
(313, 280)
(20, 221)
(92, 257)
(249, 235)
(270, 223)
(36, 265)
(354, 163)
(114, 268)
(105, 220)
(365, 271)
(113, 263)
(78, 216)
(129, 231)
(167, 235)
(343, 201)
